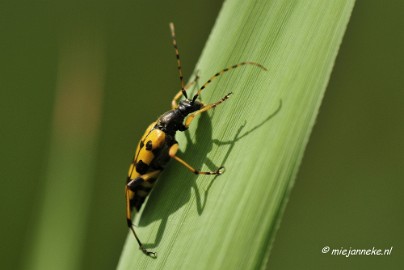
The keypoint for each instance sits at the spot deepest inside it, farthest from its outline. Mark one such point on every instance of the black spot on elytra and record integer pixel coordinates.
(133, 185)
(149, 145)
(141, 167)
(145, 189)
(141, 144)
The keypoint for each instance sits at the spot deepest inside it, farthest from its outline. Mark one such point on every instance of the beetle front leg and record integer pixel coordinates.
(172, 152)
(205, 108)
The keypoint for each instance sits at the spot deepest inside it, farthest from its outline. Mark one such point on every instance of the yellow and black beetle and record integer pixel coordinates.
(158, 144)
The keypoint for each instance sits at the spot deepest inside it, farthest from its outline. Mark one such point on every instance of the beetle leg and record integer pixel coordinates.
(172, 152)
(129, 191)
(174, 104)
(205, 108)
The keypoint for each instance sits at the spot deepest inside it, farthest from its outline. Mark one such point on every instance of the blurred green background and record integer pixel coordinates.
(79, 82)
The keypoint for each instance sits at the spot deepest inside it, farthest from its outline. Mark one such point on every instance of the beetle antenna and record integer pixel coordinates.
(177, 54)
(223, 71)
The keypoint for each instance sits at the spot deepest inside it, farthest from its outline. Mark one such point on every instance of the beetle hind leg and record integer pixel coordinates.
(135, 195)
(141, 247)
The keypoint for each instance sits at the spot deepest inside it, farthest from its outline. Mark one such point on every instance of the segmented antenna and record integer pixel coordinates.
(223, 71)
(177, 54)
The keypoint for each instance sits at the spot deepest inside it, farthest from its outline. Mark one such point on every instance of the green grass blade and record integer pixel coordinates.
(229, 222)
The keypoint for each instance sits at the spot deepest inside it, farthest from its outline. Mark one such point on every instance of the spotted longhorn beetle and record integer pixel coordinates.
(158, 144)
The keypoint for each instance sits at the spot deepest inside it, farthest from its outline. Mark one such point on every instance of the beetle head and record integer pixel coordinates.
(187, 106)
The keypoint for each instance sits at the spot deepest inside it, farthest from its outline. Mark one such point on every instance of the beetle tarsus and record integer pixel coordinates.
(148, 253)
(221, 170)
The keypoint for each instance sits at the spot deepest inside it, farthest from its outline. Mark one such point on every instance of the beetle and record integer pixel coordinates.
(158, 145)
